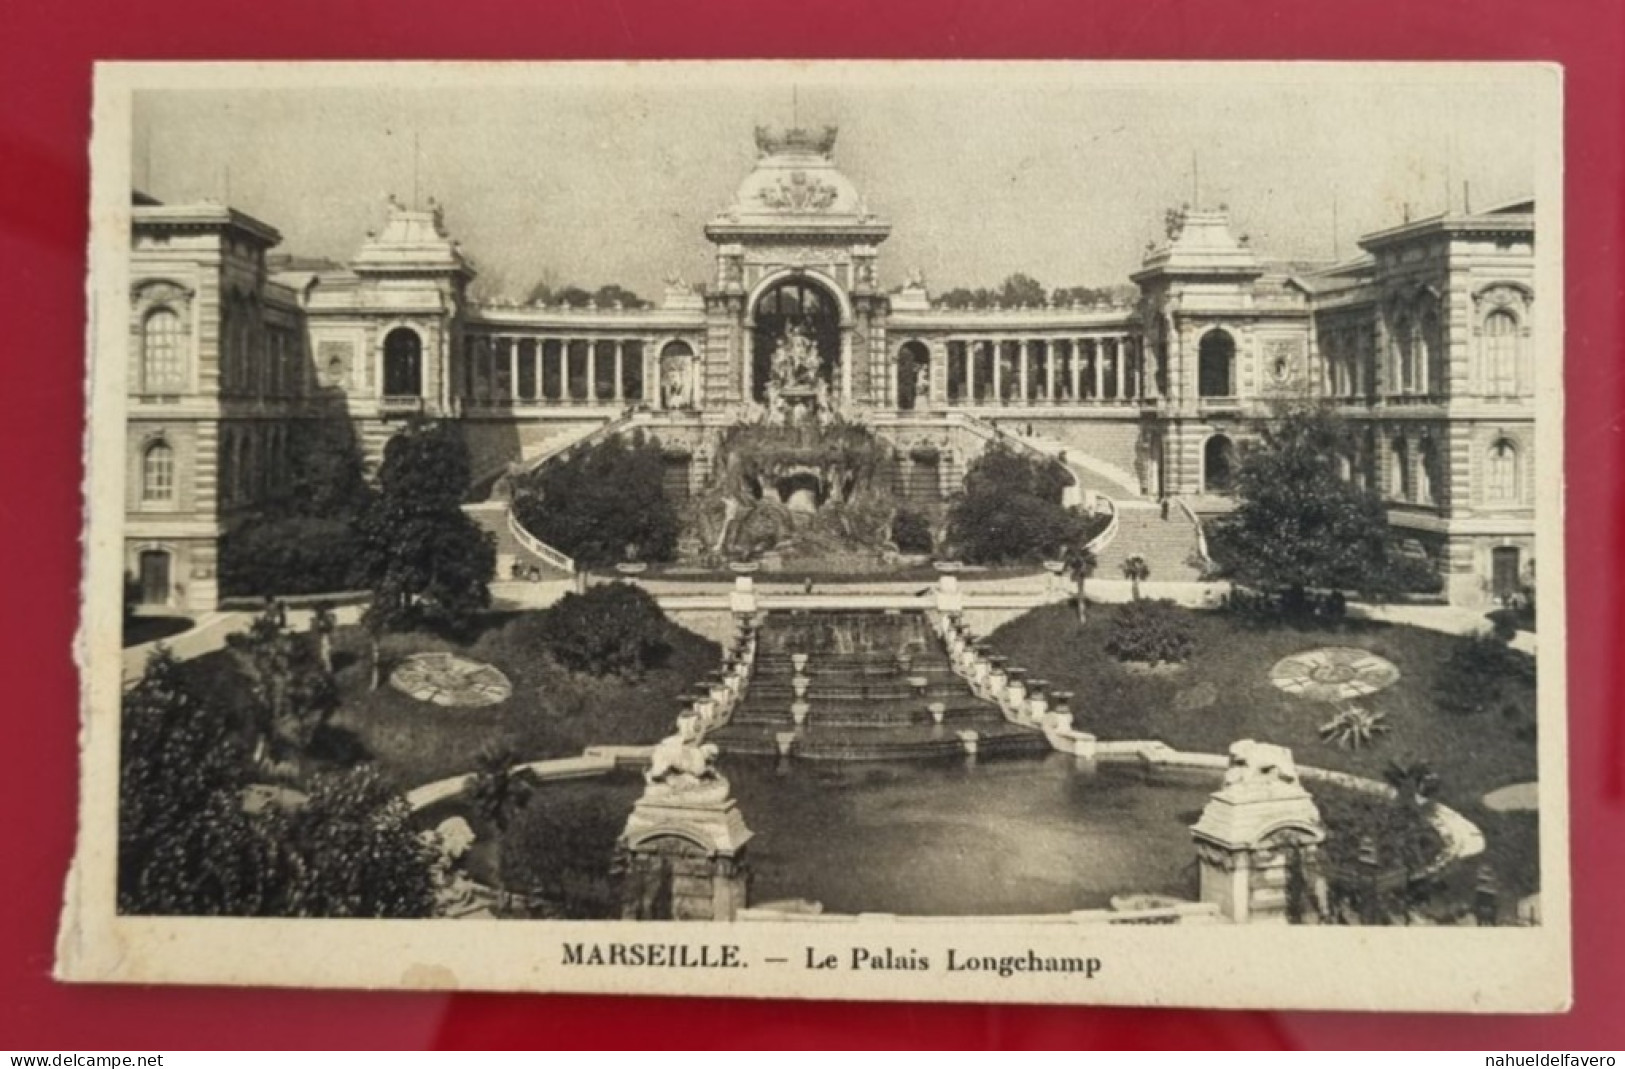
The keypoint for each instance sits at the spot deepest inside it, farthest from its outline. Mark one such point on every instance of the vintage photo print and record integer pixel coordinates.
(1033, 532)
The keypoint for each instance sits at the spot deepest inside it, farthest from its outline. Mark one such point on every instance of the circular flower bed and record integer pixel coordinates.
(447, 679)
(1334, 673)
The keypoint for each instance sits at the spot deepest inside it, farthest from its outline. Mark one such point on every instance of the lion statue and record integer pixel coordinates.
(681, 759)
(1260, 765)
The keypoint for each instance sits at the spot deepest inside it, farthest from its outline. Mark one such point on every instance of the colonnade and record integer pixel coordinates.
(1105, 367)
(508, 368)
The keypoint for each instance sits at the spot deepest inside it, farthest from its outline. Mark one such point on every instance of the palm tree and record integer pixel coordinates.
(1414, 782)
(497, 789)
(1135, 569)
(1080, 565)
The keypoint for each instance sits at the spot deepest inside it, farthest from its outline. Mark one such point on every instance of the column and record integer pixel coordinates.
(996, 351)
(1122, 367)
(620, 389)
(1099, 347)
(1024, 355)
(536, 358)
(969, 388)
(1077, 370)
(1049, 370)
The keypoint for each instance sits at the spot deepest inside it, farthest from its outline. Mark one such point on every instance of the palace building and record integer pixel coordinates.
(1424, 340)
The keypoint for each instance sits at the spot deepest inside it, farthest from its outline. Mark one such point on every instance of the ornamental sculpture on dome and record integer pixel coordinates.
(800, 192)
(796, 141)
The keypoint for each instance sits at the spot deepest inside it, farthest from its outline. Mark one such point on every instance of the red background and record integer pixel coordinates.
(45, 85)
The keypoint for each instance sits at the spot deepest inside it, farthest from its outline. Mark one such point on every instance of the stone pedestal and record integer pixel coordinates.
(949, 598)
(683, 849)
(1258, 827)
(742, 601)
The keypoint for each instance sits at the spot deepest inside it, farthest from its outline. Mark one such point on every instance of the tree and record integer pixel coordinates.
(1080, 562)
(1136, 571)
(426, 561)
(499, 787)
(1011, 509)
(1298, 524)
(188, 846)
(613, 294)
(291, 693)
(1413, 781)
(603, 504)
(185, 846)
(348, 850)
(613, 629)
(1021, 291)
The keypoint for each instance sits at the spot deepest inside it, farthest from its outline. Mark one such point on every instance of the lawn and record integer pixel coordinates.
(1223, 693)
(552, 713)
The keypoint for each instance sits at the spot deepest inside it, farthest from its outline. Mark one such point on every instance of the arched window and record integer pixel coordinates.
(1501, 472)
(1218, 465)
(913, 376)
(1500, 354)
(1428, 472)
(1215, 365)
(162, 368)
(158, 474)
(1400, 356)
(403, 363)
(1429, 355)
(1399, 470)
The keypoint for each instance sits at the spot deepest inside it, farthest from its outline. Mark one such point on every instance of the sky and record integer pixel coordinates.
(590, 174)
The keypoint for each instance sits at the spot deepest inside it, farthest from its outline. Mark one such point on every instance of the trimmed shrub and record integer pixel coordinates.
(604, 504)
(1484, 674)
(911, 532)
(1150, 632)
(614, 629)
(290, 555)
(1011, 510)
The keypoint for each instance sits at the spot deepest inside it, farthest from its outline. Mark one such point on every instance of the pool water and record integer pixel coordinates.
(947, 838)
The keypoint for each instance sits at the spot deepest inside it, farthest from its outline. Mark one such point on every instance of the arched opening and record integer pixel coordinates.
(158, 474)
(1215, 365)
(161, 368)
(796, 339)
(403, 363)
(676, 375)
(1501, 474)
(1399, 474)
(1500, 353)
(913, 375)
(1427, 483)
(1218, 465)
(1431, 369)
(154, 570)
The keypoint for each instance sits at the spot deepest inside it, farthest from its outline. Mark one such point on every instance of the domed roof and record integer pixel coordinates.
(796, 177)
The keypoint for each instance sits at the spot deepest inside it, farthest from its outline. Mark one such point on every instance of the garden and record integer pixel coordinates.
(1458, 712)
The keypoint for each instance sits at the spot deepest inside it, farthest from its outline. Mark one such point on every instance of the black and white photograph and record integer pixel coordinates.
(1042, 532)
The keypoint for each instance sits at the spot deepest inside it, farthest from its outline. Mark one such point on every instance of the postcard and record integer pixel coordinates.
(983, 532)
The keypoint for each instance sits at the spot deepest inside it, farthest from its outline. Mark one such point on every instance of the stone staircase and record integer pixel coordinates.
(492, 516)
(1168, 546)
(861, 703)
